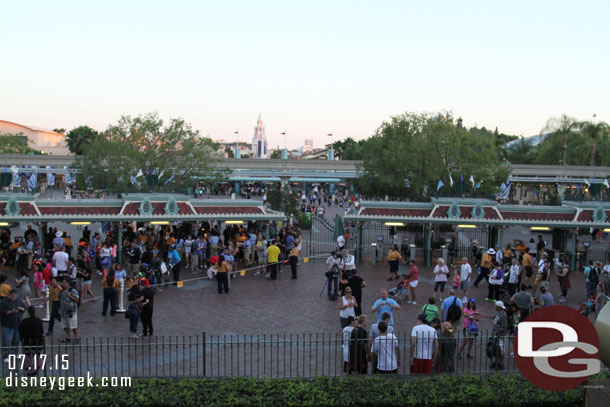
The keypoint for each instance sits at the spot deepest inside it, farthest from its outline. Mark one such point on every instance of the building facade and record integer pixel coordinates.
(47, 141)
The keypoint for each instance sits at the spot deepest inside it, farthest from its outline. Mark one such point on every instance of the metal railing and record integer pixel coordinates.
(273, 356)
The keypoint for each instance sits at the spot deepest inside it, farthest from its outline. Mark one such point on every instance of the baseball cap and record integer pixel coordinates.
(500, 304)
(472, 300)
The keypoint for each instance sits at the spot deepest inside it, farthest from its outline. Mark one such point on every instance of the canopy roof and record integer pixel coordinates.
(131, 207)
(485, 212)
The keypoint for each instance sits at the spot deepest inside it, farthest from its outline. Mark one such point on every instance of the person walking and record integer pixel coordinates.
(273, 255)
(54, 297)
(385, 304)
(465, 273)
(394, 259)
(356, 283)
(514, 276)
(441, 274)
(496, 279)
(347, 307)
(564, 282)
(175, 263)
(110, 284)
(147, 308)
(471, 327)
(68, 310)
(486, 265)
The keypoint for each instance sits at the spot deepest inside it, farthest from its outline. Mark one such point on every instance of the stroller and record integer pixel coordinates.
(400, 293)
(587, 307)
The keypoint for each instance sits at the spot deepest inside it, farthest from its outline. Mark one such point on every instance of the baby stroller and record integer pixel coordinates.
(399, 293)
(587, 307)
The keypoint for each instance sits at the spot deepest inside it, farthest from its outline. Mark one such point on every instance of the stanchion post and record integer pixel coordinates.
(121, 296)
(47, 316)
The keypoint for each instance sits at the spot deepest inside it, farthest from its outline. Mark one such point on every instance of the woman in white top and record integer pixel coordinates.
(347, 307)
(514, 276)
(441, 272)
(188, 248)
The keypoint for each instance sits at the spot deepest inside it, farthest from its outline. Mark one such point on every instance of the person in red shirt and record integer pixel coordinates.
(413, 279)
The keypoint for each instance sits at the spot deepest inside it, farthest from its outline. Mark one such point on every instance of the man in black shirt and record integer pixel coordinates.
(147, 310)
(359, 347)
(356, 283)
(133, 256)
(31, 332)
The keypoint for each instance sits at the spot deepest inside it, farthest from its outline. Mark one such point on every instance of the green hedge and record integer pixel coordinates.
(498, 390)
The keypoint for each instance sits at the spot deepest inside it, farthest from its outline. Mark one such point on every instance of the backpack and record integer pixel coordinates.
(492, 349)
(454, 313)
(593, 275)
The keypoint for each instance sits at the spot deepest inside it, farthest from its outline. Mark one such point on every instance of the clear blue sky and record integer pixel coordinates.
(310, 68)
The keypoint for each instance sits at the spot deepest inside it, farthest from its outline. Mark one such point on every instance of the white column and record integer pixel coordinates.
(121, 296)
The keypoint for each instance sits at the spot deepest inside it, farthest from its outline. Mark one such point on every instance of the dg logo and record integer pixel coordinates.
(558, 348)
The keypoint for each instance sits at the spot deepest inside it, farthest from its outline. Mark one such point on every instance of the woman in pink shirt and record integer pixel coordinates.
(471, 317)
(413, 279)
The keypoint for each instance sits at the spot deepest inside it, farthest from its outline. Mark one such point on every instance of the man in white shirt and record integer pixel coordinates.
(499, 254)
(424, 346)
(385, 347)
(465, 273)
(347, 334)
(60, 260)
(375, 332)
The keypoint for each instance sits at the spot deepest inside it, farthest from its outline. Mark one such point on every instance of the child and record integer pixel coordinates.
(600, 301)
(456, 279)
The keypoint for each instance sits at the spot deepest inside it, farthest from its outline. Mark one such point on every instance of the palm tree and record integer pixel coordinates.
(594, 133)
(561, 126)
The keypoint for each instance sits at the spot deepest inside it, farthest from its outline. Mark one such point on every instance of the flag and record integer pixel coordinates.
(450, 179)
(505, 191)
(169, 179)
(32, 181)
(151, 172)
(139, 174)
(477, 186)
(440, 185)
(472, 179)
(407, 183)
(134, 180)
(50, 179)
(5, 169)
(606, 183)
(16, 180)
(577, 186)
(14, 169)
(161, 173)
(461, 177)
(587, 182)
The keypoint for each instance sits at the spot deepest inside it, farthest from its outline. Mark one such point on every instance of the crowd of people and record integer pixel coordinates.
(518, 282)
(61, 272)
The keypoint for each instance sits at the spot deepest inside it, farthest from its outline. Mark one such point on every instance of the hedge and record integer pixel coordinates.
(497, 390)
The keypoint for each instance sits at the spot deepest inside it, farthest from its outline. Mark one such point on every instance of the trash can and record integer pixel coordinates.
(412, 251)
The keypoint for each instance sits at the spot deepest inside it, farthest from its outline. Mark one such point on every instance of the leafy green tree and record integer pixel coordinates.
(230, 153)
(60, 130)
(15, 144)
(145, 144)
(80, 136)
(276, 154)
(426, 148)
(349, 149)
(521, 152)
(562, 128)
(594, 133)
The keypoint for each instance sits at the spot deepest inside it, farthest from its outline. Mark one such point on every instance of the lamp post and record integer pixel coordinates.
(285, 151)
(331, 151)
(237, 152)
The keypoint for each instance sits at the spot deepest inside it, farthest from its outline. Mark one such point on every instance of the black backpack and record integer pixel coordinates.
(454, 313)
(594, 275)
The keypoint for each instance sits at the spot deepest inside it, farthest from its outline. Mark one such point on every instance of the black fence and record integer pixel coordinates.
(274, 356)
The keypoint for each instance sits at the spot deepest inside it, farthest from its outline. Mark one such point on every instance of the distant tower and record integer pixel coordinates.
(259, 140)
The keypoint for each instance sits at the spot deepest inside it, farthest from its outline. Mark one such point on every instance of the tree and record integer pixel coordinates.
(594, 133)
(521, 152)
(15, 144)
(560, 127)
(230, 153)
(61, 130)
(276, 154)
(163, 153)
(349, 149)
(426, 148)
(78, 137)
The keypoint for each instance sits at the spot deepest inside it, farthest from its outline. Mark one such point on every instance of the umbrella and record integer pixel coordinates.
(338, 231)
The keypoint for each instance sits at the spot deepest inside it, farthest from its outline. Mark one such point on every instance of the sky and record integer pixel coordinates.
(309, 68)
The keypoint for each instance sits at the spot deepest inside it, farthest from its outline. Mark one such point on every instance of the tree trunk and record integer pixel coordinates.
(564, 147)
(593, 150)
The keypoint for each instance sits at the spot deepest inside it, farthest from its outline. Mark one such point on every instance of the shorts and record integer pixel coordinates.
(414, 283)
(195, 260)
(464, 285)
(439, 284)
(71, 323)
(538, 280)
(421, 366)
(87, 282)
(529, 271)
(470, 334)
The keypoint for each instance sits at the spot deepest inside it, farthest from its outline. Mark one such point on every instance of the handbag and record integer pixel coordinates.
(473, 328)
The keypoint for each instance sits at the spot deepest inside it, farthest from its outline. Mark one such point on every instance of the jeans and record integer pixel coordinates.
(333, 281)
(484, 275)
(223, 282)
(293, 265)
(134, 318)
(54, 315)
(146, 317)
(10, 341)
(591, 288)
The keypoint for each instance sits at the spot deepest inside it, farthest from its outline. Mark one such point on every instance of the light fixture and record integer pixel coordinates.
(4, 223)
(80, 223)
(394, 224)
(234, 222)
(467, 226)
(606, 230)
(540, 228)
(159, 222)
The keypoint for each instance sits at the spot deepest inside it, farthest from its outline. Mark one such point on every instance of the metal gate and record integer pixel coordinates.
(376, 232)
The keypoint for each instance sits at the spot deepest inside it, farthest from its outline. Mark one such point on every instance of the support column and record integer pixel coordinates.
(307, 189)
(237, 153)
(351, 188)
(266, 230)
(428, 248)
(332, 188)
(284, 154)
(573, 250)
(119, 243)
(501, 237)
(236, 186)
(42, 227)
(358, 248)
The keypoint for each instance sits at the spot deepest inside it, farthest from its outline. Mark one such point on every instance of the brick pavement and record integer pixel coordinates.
(258, 306)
